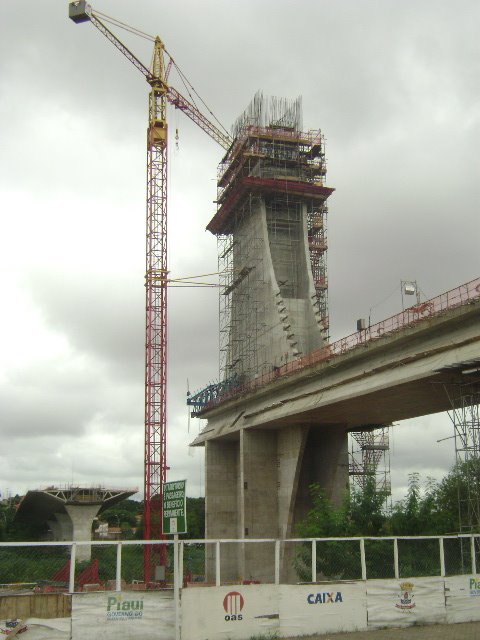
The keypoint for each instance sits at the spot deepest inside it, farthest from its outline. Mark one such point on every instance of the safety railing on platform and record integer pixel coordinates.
(464, 294)
(118, 565)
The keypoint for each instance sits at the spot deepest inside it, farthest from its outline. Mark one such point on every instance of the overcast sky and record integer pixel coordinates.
(393, 85)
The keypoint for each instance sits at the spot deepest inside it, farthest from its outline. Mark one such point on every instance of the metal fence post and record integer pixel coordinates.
(395, 558)
(277, 561)
(217, 563)
(472, 553)
(314, 560)
(71, 581)
(442, 558)
(180, 562)
(362, 559)
(176, 587)
(118, 577)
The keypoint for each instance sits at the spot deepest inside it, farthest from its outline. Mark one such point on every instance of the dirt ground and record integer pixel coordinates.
(462, 631)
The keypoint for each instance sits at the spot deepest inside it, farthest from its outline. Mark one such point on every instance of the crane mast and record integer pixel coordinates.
(156, 308)
(155, 462)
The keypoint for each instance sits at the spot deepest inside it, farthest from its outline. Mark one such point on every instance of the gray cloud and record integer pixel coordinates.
(394, 87)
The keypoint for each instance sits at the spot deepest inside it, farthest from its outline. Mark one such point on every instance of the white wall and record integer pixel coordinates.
(310, 609)
(109, 615)
(238, 612)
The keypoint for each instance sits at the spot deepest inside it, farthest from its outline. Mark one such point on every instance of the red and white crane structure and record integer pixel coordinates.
(156, 264)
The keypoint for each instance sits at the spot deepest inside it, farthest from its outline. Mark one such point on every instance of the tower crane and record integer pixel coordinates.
(161, 93)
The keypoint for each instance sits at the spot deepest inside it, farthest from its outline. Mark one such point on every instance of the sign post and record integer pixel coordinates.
(174, 517)
(174, 521)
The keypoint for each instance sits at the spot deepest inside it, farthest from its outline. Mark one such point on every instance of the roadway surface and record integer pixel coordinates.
(462, 631)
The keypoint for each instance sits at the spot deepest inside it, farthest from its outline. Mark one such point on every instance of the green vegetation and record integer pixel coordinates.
(431, 508)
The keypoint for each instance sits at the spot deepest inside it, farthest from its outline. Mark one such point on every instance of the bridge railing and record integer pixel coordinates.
(461, 295)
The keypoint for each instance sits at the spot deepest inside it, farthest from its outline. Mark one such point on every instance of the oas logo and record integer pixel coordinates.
(233, 605)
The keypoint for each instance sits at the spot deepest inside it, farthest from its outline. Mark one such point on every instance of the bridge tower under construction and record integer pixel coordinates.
(271, 226)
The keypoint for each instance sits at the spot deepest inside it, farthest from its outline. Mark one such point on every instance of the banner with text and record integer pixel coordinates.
(322, 608)
(235, 612)
(462, 596)
(111, 615)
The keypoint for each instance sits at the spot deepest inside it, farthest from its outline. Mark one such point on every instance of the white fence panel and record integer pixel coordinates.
(234, 612)
(462, 595)
(322, 608)
(127, 614)
(406, 601)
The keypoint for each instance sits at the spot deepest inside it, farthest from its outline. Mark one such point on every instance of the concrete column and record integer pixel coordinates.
(258, 501)
(291, 446)
(82, 519)
(259, 487)
(62, 527)
(221, 505)
(325, 462)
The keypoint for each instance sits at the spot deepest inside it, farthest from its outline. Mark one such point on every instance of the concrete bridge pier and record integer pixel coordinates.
(258, 487)
(82, 521)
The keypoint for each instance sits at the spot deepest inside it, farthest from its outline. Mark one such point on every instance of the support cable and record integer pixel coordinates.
(184, 79)
(123, 25)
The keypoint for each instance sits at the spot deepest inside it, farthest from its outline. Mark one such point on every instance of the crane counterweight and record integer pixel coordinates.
(79, 11)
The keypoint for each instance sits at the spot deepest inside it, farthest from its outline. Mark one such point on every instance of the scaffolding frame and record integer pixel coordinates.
(241, 278)
(465, 417)
(369, 459)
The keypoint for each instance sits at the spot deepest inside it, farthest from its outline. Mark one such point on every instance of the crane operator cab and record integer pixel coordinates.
(79, 11)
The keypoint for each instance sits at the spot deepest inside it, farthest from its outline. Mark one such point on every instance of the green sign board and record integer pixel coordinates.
(174, 507)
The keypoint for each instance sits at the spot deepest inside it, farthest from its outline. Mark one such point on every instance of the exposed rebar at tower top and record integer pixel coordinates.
(270, 111)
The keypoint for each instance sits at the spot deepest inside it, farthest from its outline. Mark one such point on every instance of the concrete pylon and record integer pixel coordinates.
(82, 521)
(69, 511)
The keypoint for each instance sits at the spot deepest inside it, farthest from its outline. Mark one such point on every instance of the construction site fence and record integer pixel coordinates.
(52, 567)
(421, 312)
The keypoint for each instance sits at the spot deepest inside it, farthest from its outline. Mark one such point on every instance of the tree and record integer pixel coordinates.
(458, 497)
(366, 510)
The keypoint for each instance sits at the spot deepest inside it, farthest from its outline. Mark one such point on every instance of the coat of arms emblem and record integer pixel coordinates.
(406, 595)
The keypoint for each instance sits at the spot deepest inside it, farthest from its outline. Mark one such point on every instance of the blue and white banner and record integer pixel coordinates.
(322, 608)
